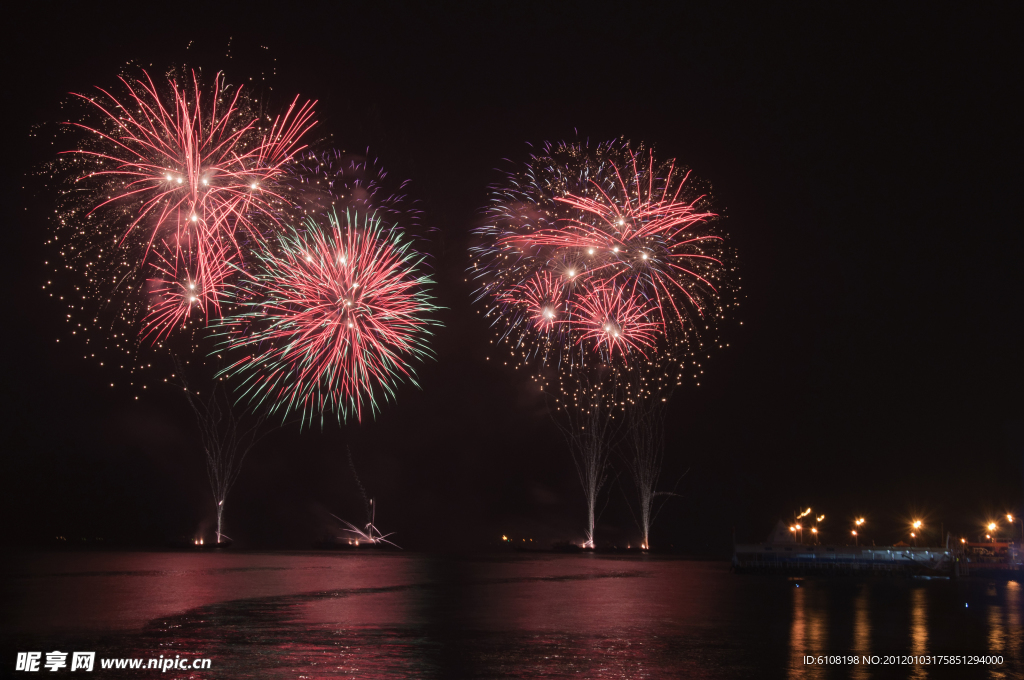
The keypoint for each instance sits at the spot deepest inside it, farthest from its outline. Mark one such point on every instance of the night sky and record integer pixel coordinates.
(869, 167)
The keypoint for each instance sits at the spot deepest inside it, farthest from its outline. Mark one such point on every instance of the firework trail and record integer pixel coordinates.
(369, 534)
(227, 438)
(590, 429)
(330, 319)
(172, 181)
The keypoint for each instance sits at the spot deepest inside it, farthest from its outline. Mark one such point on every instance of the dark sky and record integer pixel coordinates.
(869, 166)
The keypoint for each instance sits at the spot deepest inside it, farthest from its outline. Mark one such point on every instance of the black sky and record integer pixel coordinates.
(868, 162)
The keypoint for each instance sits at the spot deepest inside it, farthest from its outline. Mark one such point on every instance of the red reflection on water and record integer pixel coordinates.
(123, 591)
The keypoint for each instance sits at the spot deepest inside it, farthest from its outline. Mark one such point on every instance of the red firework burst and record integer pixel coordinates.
(542, 299)
(193, 174)
(186, 283)
(645, 231)
(634, 229)
(616, 320)
(332, 318)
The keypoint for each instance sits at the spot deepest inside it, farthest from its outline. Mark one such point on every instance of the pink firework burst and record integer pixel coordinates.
(542, 299)
(186, 283)
(331, 318)
(185, 175)
(636, 226)
(646, 232)
(617, 321)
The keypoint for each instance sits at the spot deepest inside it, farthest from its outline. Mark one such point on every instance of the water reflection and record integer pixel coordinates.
(1004, 624)
(415, 616)
(861, 633)
(1014, 598)
(798, 632)
(808, 629)
(919, 629)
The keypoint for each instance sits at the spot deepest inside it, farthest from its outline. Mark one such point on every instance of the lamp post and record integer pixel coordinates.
(917, 526)
(857, 524)
(856, 540)
(992, 526)
(797, 516)
(1011, 520)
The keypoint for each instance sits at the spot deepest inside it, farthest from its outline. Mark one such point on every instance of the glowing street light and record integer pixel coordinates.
(817, 520)
(917, 525)
(857, 524)
(856, 539)
(798, 516)
(1010, 518)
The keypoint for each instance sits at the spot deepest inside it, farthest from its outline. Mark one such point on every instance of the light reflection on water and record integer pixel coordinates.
(399, 615)
(919, 629)
(861, 633)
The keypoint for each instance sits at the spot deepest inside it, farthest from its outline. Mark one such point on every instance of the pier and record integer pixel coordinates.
(848, 559)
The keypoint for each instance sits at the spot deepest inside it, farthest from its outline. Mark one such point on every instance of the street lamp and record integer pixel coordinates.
(817, 520)
(857, 523)
(797, 516)
(917, 525)
(992, 526)
(856, 540)
(1011, 520)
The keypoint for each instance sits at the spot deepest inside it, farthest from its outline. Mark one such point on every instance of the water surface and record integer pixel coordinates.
(398, 615)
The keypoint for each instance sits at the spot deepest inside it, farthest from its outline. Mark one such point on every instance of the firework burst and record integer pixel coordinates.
(539, 301)
(171, 182)
(600, 256)
(193, 280)
(616, 323)
(331, 319)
